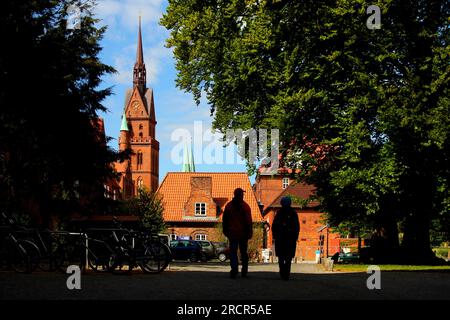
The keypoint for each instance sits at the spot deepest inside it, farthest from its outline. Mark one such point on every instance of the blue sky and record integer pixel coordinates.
(175, 110)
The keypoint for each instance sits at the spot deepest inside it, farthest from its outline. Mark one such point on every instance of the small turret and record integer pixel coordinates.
(124, 139)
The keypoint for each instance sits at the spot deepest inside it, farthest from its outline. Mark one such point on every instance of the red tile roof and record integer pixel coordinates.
(300, 190)
(176, 189)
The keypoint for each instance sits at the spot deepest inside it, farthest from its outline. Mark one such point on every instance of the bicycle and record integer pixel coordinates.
(138, 249)
(20, 254)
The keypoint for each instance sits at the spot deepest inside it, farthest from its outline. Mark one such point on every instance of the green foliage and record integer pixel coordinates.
(299, 200)
(218, 233)
(148, 207)
(441, 252)
(363, 114)
(255, 243)
(52, 158)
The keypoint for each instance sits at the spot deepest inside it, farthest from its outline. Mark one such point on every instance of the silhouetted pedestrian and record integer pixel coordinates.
(285, 231)
(238, 228)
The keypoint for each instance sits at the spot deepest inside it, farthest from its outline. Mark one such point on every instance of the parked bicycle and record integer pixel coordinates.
(19, 254)
(138, 249)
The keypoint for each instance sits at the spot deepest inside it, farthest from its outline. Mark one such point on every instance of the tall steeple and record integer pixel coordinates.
(139, 72)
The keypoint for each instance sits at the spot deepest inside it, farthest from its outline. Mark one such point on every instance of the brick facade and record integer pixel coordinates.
(269, 190)
(182, 190)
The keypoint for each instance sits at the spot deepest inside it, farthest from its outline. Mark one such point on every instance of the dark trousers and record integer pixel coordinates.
(285, 266)
(234, 263)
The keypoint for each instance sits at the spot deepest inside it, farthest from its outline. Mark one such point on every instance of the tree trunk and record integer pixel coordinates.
(416, 239)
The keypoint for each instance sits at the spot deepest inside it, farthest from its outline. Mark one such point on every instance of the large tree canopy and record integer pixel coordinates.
(52, 155)
(364, 114)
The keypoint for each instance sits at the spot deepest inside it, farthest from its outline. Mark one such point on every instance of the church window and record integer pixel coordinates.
(140, 159)
(285, 183)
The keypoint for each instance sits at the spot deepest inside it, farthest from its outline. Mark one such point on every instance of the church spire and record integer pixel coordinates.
(139, 72)
(188, 159)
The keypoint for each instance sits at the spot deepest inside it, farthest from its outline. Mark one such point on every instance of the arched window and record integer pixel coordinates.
(141, 127)
(139, 159)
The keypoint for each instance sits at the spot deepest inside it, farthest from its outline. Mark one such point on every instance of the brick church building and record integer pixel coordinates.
(137, 133)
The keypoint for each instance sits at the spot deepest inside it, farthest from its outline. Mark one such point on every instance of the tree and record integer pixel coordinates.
(363, 114)
(53, 159)
(147, 206)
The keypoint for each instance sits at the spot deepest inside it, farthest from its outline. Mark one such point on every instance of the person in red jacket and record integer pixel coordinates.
(238, 228)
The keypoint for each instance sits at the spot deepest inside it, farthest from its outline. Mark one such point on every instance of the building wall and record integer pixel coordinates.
(212, 231)
(268, 188)
(201, 192)
(308, 239)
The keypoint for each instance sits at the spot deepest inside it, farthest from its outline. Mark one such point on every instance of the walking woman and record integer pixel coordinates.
(285, 230)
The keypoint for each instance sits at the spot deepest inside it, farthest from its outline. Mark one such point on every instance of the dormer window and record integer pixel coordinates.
(200, 209)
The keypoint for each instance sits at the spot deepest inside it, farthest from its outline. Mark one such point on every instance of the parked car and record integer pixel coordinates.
(222, 251)
(349, 257)
(208, 249)
(187, 250)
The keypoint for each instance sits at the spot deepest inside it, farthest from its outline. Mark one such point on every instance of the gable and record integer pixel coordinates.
(135, 107)
(175, 190)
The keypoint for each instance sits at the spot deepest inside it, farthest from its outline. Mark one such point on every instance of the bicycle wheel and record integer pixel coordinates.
(99, 261)
(120, 264)
(67, 255)
(25, 257)
(155, 258)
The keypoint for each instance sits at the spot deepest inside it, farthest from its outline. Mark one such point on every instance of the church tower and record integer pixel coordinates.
(140, 123)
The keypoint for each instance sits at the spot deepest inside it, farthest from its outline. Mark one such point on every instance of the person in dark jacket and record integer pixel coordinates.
(285, 230)
(238, 228)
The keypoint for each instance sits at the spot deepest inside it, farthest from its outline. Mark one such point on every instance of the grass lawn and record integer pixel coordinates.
(388, 267)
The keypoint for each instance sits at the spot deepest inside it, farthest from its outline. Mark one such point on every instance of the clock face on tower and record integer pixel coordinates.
(135, 105)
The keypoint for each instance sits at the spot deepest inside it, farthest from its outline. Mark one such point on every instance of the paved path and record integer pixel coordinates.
(211, 282)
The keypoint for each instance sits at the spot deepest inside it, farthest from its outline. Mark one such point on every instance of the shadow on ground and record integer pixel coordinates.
(210, 284)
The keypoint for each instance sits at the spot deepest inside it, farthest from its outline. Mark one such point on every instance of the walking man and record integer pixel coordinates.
(285, 230)
(238, 228)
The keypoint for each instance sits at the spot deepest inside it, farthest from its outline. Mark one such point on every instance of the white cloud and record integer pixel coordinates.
(124, 13)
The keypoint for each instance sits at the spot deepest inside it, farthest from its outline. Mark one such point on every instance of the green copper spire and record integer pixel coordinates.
(124, 126)
(188, 159)
(191, 159)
